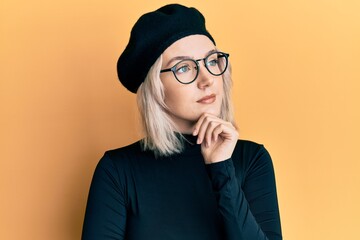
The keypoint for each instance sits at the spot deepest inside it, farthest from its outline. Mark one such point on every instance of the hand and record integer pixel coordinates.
(217, 138)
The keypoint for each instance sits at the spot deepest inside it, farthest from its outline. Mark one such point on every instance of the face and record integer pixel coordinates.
(187, 102)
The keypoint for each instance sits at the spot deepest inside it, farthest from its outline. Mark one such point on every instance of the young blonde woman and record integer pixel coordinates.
(190, 177)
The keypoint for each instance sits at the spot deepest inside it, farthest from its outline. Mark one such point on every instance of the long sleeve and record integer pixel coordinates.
(248, 204)
(105, 216)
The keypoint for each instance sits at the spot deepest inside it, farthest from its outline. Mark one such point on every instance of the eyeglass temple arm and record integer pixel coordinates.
(166, 70)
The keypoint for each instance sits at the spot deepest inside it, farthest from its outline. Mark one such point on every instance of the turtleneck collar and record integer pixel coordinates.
(190, 139)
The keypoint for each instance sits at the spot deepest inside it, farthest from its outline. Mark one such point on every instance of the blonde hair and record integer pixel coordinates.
(161, 135)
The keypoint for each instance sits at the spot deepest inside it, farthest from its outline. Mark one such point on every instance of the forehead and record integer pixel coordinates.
(194, 46)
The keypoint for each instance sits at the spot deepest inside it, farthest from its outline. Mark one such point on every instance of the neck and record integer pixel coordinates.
(185, 128)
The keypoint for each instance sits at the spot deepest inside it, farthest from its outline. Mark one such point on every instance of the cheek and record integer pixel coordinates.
(176, 99)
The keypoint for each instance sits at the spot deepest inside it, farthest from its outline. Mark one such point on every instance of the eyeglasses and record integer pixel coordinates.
(187, 70)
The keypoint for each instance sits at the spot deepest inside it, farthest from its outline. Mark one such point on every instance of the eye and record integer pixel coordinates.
(212, 62)
(183, 68)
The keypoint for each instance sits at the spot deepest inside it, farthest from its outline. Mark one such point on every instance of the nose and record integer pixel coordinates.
(204, 79)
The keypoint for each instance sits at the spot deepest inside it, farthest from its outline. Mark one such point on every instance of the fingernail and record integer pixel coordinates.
(194, 132)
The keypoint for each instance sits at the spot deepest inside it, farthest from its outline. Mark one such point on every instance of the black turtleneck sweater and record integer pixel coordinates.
(135, 196)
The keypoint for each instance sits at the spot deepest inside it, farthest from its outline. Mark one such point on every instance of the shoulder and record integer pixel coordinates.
(120, 159)
(248, 148)
(249, 155)
(128, 151)
(115, 168)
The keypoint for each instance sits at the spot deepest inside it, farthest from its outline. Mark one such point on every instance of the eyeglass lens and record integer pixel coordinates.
(186, 71)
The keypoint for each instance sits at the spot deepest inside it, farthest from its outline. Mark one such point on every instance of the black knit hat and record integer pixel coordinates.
(151, 35)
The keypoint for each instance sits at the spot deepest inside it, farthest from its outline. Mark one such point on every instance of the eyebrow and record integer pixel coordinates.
(178, 58)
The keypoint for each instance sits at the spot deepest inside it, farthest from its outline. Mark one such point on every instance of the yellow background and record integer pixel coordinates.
(296, 89)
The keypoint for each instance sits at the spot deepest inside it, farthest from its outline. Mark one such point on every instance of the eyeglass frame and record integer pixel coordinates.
(173, 68)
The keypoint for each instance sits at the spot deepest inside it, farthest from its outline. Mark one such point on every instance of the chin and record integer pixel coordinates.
(212, 112)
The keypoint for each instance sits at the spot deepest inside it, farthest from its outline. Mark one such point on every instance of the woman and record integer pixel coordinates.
(190, 177)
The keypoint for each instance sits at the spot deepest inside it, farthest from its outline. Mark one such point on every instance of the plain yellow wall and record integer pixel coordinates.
(296, 89)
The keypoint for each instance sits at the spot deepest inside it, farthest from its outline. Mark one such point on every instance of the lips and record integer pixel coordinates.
(207, 99)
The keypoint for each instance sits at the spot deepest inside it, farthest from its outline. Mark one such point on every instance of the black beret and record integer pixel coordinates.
(151, 35)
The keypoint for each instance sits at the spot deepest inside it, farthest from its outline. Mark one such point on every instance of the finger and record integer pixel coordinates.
(209, 133)
(198, 124)
(219, 130)
(227, 132)
(201, 128)
(203, 125)
(200, 121)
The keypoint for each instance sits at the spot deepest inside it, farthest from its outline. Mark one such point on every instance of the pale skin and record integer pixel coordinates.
(187, 107)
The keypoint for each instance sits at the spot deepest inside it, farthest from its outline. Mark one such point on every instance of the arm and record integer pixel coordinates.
(105, 216)
(251, 211)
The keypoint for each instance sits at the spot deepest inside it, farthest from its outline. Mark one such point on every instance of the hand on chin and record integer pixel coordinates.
(216, 136)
